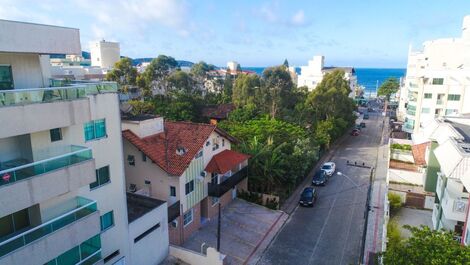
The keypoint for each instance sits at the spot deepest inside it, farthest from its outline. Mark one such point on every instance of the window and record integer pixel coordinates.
(102, 177)
(223, 142)
(438, 81)
(453, 97)
(451, 111)
(208, 143)
(199, 154)
(95, 129)
(172, 191)
(188, 217)
(189, 187)
(131, 160)
(107, 220)
(214, 200)
(427, 95)
(144, 234)
(425, 110)
(144, 157)
(56, 134)
(111, 256)
(6, 77)
(14, 222)
(215, 178)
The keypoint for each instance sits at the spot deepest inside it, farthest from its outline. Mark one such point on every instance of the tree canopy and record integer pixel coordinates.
(426, 246)
(123, 73)
(389, 87)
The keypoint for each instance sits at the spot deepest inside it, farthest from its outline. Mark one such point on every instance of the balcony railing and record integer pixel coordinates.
(217, 190)
(81, 208)
(173, 211)
(18, 169)
(67, 91)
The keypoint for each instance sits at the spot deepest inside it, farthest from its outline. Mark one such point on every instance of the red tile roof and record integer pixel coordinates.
(419, 153)
(161, 148)
(225, 161)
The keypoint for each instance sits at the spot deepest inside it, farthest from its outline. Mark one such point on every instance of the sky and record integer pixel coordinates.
(365, 33)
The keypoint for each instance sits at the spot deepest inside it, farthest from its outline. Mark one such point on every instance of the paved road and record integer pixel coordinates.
(331, 231)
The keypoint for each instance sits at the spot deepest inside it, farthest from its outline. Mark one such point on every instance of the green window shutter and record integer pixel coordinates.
(100, 128)
(89, 131)
(104, 175)
(6, 77)
(107, 220)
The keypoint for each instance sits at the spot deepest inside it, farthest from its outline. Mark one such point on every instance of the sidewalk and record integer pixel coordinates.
(375, 225)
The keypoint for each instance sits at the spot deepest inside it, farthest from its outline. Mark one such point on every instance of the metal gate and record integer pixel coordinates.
(415, 200)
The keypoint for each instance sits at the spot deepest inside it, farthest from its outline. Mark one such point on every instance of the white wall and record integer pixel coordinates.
(212, 258)
(26, 69)
(104, 54)
(154, 247)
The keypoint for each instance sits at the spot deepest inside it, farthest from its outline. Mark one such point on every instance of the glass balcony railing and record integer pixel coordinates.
(67, 90)
(87, 253)
(76, 210)
(19, 169)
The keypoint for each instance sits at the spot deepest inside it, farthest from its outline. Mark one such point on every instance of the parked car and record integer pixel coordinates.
(366, 116)
(320, 178)
(329, 168)
(308, 197)
(355, 132)
(363, 124)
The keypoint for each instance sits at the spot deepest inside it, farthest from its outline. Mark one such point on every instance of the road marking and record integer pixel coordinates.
(324, 225)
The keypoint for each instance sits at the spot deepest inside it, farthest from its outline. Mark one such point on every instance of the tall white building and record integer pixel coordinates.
(437, 81)
(312, 74)
(62, 186)
(104, 54)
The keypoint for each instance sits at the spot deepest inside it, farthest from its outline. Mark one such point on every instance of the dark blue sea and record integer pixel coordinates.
(370, 78)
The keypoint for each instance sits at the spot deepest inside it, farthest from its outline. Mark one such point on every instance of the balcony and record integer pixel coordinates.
(24, 183)
(173, 211)
(75, 222)
(217, 190)
(408, 127)
(39, 109)
(454, 207)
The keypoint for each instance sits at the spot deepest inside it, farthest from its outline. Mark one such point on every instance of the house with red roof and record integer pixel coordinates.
(189, 165)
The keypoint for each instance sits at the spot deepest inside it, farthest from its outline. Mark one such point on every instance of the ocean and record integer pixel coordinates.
(367, 77)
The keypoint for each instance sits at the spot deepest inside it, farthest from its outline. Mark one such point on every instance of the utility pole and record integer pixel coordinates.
(218, 229)
(366, 216)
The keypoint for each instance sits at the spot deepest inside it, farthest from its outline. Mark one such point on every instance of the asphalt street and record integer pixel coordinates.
(331, 231)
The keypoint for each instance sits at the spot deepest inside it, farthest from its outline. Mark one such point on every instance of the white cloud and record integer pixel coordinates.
(298, 18)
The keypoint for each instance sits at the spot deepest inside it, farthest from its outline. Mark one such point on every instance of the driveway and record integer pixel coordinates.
(246, 230)
(331, 231)
(413, 217)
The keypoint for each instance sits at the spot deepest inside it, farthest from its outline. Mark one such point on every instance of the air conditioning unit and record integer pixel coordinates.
(174, 223)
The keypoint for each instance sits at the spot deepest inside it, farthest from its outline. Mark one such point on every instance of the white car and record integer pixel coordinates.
(329, 168)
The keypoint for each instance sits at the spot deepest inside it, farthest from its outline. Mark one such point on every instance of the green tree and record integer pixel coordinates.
(157, 71)
(201, 68)
(389, 87)
(278, 85)
(244, 89)
(141, 107)
(330, 99)
(180, 81)
(123, 73)
(426, 246)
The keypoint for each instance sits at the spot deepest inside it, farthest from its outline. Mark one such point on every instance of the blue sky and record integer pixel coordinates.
(365, 33)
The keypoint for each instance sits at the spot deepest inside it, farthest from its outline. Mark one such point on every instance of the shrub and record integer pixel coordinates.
(393, 233)
(272, 204)
(395, 203)
(405, 147)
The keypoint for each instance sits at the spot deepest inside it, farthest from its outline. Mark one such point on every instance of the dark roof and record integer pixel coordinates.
(139, 205)
(218, 111)
(139, 117)
(350, 70)
(463, 129)
(162, 147)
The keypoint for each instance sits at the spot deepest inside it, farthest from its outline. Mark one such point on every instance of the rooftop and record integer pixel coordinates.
(139, 117)
(225, 161)
(218, 111)
(162, 148)
(139, 205)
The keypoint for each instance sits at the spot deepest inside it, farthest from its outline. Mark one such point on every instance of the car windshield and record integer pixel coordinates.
(326, 167)
(307, 194)
(318, 175)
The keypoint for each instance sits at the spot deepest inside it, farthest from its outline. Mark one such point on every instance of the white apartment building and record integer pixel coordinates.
(437, 81)
(312, 74)
(104, 54)
(449, 168)
(62, 187)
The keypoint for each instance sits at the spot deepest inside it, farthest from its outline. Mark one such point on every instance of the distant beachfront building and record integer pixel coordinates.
(104, 55)
(233, 66)
(312, 74)
(437, 81)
